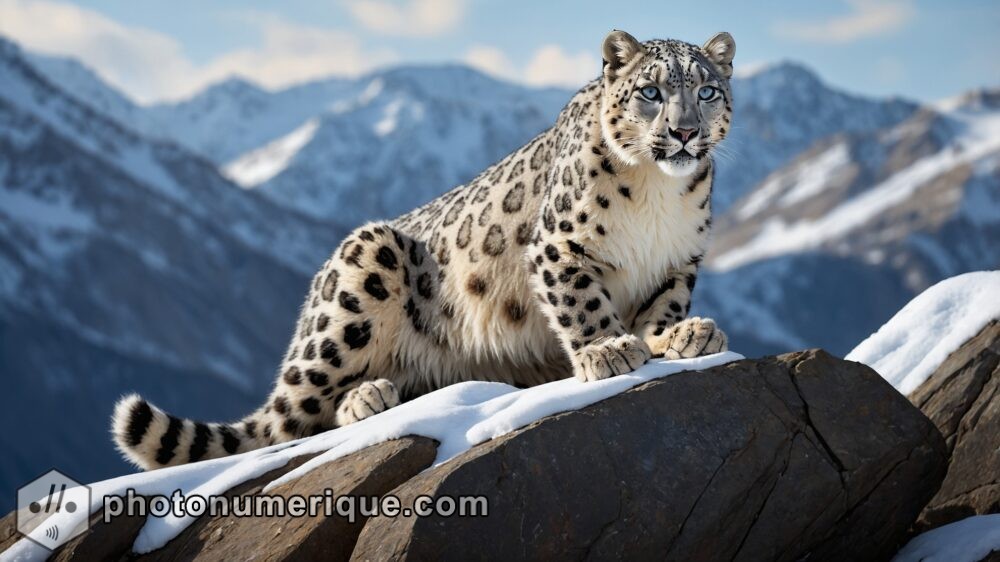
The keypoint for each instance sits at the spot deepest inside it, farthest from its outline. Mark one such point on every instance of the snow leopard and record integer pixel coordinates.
(575, 255)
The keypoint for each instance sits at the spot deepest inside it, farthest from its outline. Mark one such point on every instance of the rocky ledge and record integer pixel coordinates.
(962, 397)
(782, 458)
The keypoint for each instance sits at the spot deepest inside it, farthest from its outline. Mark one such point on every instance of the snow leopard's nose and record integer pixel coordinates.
(682, 134)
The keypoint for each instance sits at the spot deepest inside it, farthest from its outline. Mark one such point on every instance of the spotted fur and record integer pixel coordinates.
(576, 254)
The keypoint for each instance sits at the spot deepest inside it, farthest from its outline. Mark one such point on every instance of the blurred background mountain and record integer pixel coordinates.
(166, 248)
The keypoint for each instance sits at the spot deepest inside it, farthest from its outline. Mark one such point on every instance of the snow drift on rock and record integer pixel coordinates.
(968, 540)
(458, 417)
(908, 348)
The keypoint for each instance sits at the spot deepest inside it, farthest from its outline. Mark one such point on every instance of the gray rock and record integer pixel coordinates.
(773, 459)
(962, 397)
(370, 472)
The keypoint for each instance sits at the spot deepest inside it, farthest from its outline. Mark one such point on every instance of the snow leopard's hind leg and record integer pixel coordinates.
(338, 367)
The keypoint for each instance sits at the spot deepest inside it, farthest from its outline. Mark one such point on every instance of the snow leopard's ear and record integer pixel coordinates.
(721, 49)
(619, 49)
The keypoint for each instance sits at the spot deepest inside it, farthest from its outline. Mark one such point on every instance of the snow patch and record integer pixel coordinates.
(458, 417)
(367, 96)
(812, 177)
(387, 124)
(981, 202)
(911, 345)
(262, 164)
(968, 540)
(806, 181)
(759, 199)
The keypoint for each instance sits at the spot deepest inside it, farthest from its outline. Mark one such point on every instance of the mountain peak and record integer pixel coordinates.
(443, 80)
(774, 74)
(752, 69)
(234, 86)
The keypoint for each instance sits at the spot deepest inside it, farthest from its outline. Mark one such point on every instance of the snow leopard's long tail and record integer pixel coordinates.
(151, 438)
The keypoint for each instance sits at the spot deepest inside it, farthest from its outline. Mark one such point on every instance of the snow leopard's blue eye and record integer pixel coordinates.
(651, 93)
(707, 93)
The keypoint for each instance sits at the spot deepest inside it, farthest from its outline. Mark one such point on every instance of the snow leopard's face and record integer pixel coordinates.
(666, 102)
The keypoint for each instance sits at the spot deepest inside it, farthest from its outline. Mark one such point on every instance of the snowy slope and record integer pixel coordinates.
(907, 349)
(262, 164)
(459, 417)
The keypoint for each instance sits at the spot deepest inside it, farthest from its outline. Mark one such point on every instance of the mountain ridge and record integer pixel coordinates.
(836, 194)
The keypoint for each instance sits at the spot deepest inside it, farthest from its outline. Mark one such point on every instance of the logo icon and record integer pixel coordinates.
(53, 509)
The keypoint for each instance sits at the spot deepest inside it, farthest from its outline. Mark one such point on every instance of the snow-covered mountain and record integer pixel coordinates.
(407, 137)
(921, 197)
(128, 263)
(372, 147)
(235, 117)
(397, 137)
(856, 225)
(780, 109)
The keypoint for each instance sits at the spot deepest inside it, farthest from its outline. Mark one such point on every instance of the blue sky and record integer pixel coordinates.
(157, 50)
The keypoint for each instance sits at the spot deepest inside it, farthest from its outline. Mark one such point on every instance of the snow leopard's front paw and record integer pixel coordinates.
(609, 356)
(368, 399)
(692, 337)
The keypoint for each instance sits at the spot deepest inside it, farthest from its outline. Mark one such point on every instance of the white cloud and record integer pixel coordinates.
(867, 18)
(291, 53)
(151, 66)
(411, 18)
(550, 65)
(139, 61)
(490, 60)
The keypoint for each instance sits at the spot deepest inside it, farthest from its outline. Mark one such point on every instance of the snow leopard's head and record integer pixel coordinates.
(666, 101)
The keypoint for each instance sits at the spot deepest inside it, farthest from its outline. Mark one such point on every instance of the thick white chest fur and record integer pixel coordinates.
(659, 227)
